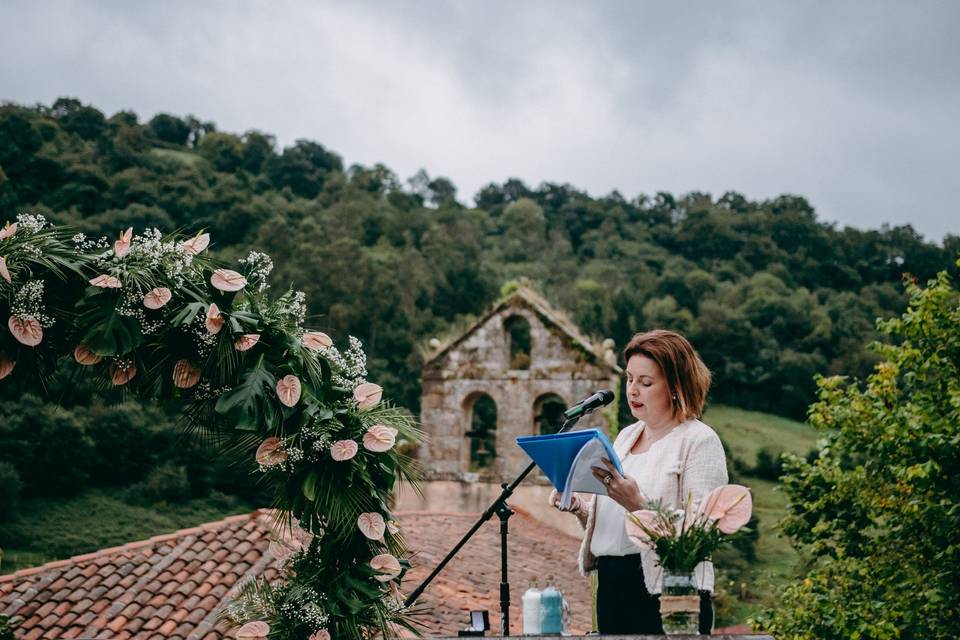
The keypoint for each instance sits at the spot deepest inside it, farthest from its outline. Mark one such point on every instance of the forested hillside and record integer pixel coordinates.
(768, 293)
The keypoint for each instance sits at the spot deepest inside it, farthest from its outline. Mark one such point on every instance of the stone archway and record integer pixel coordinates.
(480, 419)
(548, 413)
(157, 315)
(519, 342)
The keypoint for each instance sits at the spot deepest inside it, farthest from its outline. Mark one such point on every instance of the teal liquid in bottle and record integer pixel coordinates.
(551, 611)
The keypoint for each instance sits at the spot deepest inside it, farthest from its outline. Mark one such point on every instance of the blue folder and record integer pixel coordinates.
(555, 453)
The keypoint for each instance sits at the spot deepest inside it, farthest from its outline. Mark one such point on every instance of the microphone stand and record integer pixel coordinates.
(503, 511)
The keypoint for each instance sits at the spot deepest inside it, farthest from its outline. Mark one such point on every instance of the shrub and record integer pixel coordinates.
(128, 441)
(7, 627)
(168, 482)
(10, 488)
(879, 510)
(769, 464)
(47, 444)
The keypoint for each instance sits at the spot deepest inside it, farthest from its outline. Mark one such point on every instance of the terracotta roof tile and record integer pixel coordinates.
(85, 619)
(170, 585)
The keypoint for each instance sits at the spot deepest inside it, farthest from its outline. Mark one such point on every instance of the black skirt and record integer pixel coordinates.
(624, 605)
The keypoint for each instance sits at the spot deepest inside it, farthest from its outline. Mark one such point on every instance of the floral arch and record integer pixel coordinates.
(156, 314)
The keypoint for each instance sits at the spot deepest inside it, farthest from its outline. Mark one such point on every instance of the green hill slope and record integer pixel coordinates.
(747, 432)
(743, 590)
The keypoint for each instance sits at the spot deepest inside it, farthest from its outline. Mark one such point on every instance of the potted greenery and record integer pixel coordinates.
(682, 539)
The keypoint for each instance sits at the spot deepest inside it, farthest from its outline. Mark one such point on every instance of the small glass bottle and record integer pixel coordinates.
(531, 611)
(551, 610)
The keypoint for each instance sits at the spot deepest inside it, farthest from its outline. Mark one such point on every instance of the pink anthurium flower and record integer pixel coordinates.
(297, 536)
(386, 565)
(253, 631)
(393, 527)
(343, 450)
(371, 525)
(292, 541)
(3, 270)
(195, 245)
(8, 230)
(320, 634)
(106, 282)
(156, 298)
(122, 246)
(316, 340)
(215, 319)
(185, 375)
(246, 341)
(288, 390)
(279, 550)
(379, 438)
(367, 395)
(122, 375)
(6, 366)
(26, 329)
(227, 280)
(271, 452)
(728, 507)
(83, 355)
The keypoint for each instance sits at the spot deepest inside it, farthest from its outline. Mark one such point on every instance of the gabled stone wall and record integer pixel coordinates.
(479, 364)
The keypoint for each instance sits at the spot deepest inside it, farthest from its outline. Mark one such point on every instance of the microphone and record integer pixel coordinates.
(599, 399)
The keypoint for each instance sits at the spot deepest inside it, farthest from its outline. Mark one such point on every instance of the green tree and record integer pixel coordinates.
(87, 122)
(47, 444)
(524, 231)
(878, 511)
(223, 150)
(169, 129)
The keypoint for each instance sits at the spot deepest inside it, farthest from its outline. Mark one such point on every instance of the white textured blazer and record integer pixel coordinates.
(692, 462)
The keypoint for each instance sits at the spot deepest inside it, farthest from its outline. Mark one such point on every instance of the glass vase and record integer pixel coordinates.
(680, 604)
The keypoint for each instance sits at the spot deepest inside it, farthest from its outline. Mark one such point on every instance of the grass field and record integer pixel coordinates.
(745, 433)
(185, 157)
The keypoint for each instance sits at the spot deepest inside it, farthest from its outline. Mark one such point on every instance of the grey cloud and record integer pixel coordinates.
(851, 104)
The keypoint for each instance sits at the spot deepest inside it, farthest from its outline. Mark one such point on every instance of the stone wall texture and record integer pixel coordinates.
(477, 363)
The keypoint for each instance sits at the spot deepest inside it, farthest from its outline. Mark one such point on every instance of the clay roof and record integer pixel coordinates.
(170, 586)
(552, 316)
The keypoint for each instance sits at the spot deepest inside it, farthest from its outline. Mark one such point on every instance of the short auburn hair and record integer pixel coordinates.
(688, 378)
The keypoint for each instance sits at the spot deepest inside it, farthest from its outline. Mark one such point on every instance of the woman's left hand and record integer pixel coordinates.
(622, 489)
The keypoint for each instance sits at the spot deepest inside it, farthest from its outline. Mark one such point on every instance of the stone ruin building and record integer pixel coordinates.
(512, 373)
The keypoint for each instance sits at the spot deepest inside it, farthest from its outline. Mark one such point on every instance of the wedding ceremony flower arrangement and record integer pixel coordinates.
(158, 316)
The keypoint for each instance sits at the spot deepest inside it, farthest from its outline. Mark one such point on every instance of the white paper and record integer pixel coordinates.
(581, 478)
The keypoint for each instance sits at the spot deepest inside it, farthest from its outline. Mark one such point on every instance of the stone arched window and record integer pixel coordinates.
(482, 435)
(518, 338)
(548, 413)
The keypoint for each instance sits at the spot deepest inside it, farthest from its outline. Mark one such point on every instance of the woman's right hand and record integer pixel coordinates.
(554, 501)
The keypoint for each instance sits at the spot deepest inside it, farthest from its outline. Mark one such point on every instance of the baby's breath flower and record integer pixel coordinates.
(28, 301)
(349, 367)
(259, 266)
(307, 606)
(30, 223)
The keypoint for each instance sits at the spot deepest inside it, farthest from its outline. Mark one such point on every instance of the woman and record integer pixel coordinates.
(666, 455)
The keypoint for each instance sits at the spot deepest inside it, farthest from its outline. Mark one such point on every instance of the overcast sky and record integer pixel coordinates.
(852, 105)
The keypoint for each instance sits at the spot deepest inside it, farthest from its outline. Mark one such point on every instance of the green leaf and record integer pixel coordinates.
(249, 404)
(187, 314)
(109, 334)
(310, 485)
(234, 325)
(245, 318)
